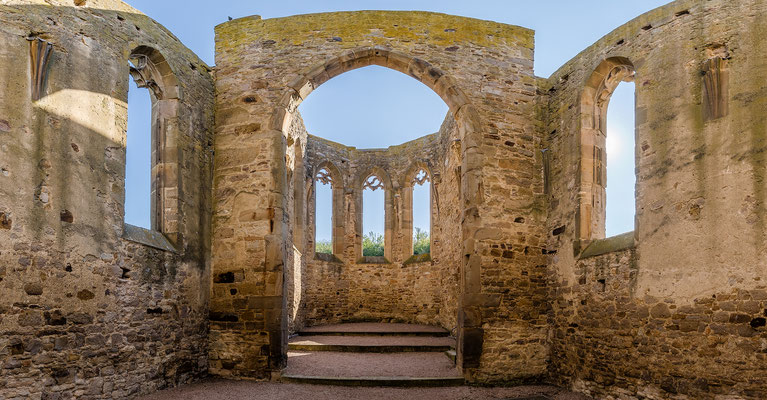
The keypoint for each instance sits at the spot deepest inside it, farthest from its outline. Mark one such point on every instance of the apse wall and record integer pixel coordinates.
(90, 307)
(400, 287)
(677, 308)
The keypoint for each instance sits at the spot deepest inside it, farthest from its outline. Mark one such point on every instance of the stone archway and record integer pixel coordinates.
(466, 117)
(267, 67)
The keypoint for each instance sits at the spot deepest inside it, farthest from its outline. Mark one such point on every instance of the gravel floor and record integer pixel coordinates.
(217, 389)
(338, 364)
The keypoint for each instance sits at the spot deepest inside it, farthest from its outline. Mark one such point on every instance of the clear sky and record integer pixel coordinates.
(395, 108)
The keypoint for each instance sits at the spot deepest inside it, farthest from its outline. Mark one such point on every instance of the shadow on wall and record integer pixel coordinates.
(77, 287)
(75, 82)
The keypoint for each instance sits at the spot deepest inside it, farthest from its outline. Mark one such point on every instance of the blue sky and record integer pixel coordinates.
(395, 108)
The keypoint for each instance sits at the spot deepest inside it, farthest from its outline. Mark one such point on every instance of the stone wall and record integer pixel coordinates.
(84, 311)
(676, 309)
(519, 266)
(404, 288)
(484, 72)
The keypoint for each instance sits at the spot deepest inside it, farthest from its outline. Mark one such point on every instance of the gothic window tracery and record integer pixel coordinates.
(421, 178)
(373, 182)
(323, 176)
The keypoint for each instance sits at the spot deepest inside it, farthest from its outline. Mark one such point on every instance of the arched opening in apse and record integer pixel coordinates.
(421, 213)
(323, 222)
(621, 161)
(373, 217)
(138, 159)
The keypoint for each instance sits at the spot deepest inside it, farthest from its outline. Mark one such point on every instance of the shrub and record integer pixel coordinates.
(323, 247)
(372, 245)
(421, 242)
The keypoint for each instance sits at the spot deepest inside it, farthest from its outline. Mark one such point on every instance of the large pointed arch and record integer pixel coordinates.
(469, 128)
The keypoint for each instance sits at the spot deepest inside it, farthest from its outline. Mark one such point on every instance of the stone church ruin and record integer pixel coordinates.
(520, 281)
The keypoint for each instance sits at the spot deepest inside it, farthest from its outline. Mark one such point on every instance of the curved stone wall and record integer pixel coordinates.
(348, 287)
(677, 307)
(86, 309)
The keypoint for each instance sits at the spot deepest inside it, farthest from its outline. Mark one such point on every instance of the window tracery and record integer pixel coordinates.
(373, 182)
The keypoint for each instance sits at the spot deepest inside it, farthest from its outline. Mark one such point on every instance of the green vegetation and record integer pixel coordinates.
(421, 242)
(372, 245)
(323, 247)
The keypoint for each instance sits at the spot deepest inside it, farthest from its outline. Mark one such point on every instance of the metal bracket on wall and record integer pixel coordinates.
(40, 54)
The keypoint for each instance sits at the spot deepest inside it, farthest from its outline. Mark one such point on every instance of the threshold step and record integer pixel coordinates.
(394, 381)
(371, 344)
(374, 329)
(328, 364)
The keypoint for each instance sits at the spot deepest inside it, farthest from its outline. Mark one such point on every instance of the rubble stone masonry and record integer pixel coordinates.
(90, 308)
(675, 309)
(520, 269)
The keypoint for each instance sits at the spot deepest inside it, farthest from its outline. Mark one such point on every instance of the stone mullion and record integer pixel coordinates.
(388, 223)
(356, 221)
(338, 219)
(406, 230)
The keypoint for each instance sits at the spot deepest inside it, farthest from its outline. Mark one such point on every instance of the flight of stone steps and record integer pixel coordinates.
(373, 354)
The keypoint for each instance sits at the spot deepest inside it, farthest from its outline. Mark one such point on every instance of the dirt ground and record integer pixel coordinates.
(219, 389)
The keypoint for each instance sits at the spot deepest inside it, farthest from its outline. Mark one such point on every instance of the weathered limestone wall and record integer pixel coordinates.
(483, 71)
(402, 288)
(677, 310)
(84, 312)
(446, 218)
(296, 266)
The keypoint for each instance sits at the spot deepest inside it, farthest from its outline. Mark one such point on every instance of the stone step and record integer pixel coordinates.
(374, 381)
(374, 329)
(371, 344)
(371, 369)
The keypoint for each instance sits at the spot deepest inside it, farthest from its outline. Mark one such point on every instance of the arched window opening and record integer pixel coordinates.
(621, 161)
(138, 158)
(152, 199)
(323, 212)
(597, 144)
(373, 217)
(421, 213)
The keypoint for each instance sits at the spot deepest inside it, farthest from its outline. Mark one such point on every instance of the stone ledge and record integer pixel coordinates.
(608, 245)
(373, 260)
(331, 258)
(146, 237)
(418, 258)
